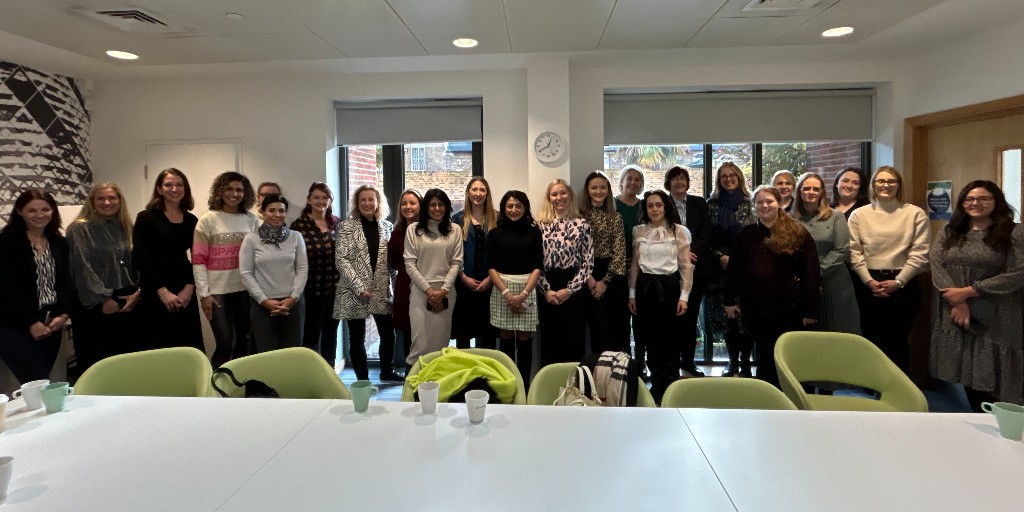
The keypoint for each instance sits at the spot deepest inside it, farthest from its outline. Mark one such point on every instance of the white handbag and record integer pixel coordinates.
(573, 395)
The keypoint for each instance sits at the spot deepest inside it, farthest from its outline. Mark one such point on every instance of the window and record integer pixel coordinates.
(417, 157)
(826, 159)
(655, 162)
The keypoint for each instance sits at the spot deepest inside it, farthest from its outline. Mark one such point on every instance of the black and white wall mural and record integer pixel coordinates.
(44, 136)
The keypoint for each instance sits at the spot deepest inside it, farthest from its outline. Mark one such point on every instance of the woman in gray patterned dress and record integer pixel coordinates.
(827, 227)
(978, 269)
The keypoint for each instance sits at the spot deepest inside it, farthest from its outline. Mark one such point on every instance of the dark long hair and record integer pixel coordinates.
(156, 202)
(16, 223)
(998, 235)
(331, 219)
(445, 226)
(862, 193)
(671, 214)
(520, 196)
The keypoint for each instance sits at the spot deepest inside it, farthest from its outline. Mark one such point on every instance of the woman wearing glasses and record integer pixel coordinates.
(978, 269)
(729, 209)
(888, 249)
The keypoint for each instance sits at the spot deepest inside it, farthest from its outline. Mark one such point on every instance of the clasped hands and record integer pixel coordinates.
(959, 311)
(111, 305)
(278, 307)
(176, 302)
(516, 303)
(40, 330)
(883, 289)
(435, 299)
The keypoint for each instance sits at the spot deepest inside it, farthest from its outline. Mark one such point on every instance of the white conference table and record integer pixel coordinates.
(855, 461)
(196, 454)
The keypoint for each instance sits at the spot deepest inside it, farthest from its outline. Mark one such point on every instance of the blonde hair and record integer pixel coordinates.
(896, 174)
(824, 211)
(382, 203)
(715, 187)
(88, 212)
(547, 213)
(786, 234)
(778, 174)
(490, 216)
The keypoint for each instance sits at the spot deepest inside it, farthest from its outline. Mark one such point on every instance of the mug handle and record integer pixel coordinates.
(986, 406)
(17, 393)
(71, 390)
(374, 390)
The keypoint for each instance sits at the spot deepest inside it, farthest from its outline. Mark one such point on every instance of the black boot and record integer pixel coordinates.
(524, 359)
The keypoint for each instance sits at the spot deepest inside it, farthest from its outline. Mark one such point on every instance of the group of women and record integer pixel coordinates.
(781, 258)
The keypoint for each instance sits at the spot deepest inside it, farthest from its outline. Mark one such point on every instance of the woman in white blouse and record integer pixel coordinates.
(660, 279)
(433, 259)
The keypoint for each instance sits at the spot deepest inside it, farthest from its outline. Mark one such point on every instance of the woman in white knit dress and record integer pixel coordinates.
(433, 258)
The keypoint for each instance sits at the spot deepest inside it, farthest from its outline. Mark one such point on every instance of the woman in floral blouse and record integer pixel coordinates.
(568, 263)
(319, 227)
(607, 279)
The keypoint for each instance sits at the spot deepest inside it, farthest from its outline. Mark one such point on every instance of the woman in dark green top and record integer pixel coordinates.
(627, 204)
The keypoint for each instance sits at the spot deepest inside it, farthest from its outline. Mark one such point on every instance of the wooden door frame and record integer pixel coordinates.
(915, 163)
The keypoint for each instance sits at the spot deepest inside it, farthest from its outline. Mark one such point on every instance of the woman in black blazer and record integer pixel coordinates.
(35, 287)
(694, 215)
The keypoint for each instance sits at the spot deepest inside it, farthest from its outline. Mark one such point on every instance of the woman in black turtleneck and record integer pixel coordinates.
(515, 257)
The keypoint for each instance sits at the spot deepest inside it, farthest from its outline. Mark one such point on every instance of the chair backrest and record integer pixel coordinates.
(177, 371)
(294, 372)
(718, 393)
(812, 356)
(520, 394)
(546, 384)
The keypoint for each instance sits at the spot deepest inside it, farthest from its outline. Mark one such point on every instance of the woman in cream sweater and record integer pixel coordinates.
(889, 242)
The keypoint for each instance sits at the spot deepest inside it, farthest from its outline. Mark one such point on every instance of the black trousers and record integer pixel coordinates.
(765, 330)
(520, 351)
(688, 325)
(98, 336)
(471, 318)
(620, 320)
(887, 321)
(657, 298)
(357, 345)
(231, 326)
(563, 334)
(320, 329)
(28, 358)
(276, 332)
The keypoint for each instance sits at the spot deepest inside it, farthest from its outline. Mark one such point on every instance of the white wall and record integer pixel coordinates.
(286, 123)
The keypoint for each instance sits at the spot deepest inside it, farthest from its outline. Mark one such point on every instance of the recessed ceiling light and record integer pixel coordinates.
(118, 54)
(233, 16)
(465, 42)
(837, 32)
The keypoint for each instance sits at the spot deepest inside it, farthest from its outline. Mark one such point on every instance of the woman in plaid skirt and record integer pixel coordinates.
(515, 257)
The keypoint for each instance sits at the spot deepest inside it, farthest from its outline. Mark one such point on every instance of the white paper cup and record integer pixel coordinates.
(3, 410)
(6, 469)
(427, 393)
(476, 404)
(32, 393)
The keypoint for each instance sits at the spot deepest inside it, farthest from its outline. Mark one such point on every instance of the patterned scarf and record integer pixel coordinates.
(270, 235)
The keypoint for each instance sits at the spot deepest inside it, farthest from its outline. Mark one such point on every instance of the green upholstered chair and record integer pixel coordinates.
(810, 356)
(178, 371)
(719, 393)
(520, 395)
(294, 372)
(550, 379)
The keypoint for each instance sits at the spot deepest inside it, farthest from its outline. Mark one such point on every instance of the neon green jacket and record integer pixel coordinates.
(455, 369)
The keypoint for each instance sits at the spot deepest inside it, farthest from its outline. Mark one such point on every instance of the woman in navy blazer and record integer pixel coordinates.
(35, 286)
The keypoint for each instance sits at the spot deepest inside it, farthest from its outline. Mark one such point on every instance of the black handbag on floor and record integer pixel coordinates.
(253, 388)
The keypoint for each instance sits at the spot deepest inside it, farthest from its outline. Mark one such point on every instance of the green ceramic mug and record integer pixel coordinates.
(361, 391)
(54, 395)
(1010, 418)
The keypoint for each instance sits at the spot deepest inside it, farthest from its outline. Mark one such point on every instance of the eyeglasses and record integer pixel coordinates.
(729, 177)
(882, 183)
(980, 200)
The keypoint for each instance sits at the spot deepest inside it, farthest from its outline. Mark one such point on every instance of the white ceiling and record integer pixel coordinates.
(416, 35)
(284, 30)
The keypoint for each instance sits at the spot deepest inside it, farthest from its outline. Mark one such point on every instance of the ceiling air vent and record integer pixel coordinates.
(136, 21)
(780, 5)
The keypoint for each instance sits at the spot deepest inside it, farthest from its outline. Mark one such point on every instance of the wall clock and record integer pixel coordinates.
(548, 147)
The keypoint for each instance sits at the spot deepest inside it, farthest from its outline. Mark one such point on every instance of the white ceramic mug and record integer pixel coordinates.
(427, 393)
(476, 404)
(32, 393)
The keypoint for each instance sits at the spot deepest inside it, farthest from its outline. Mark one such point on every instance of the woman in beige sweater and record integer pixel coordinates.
(889, 242)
